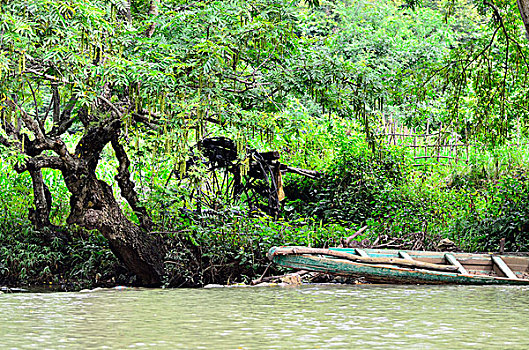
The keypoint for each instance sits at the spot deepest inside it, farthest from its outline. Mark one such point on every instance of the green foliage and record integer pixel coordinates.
(352, 187)
(484, 82)
(230, 247)
(475, 206)
(359, 57)
(28, 256)
(505, 214)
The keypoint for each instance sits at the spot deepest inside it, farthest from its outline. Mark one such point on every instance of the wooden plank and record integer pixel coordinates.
(503, 267)
(517, 264)
(471, 261)
(361, 259)
(362, 252)
(452, 260)
(405, 255)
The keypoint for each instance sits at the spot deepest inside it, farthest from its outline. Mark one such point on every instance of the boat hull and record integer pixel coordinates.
(387, 274)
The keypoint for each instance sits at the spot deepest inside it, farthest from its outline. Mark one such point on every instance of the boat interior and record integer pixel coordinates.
(495, 265)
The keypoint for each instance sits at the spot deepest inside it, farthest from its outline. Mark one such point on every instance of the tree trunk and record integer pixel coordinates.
(153, 12)
(93, 206)
(523, 6)
(40, 216)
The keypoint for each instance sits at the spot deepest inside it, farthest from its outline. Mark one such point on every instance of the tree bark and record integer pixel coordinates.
(94, 207)
(523, 6)
(92, 202)
(127, 186)
(153, 12)
(40, 216)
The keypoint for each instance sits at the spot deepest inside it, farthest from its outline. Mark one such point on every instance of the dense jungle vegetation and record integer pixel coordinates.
(106, 108)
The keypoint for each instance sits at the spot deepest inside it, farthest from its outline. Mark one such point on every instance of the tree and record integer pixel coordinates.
(484, 81)
(79, 76)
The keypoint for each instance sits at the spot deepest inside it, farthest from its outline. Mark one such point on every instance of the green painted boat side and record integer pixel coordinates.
(387, 274)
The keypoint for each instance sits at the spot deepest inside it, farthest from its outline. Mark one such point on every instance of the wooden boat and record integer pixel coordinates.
(398, 266)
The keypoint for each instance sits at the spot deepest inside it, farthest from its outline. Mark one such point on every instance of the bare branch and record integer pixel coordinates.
(143, 119)
(47, 76)
(51, 162)
(507, 36)
(41, 162)
(246, 88)
(34, 100)
(69, 108)
(491, 41)
(56, 104)
(64, 121)
(47, 111)
(139, 116)
(65, 126)
(111, 105)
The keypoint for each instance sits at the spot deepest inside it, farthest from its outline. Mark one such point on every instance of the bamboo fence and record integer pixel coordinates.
(443, 145)
(435, 145)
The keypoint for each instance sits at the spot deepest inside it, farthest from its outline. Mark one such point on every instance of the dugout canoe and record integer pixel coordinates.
(407, 267)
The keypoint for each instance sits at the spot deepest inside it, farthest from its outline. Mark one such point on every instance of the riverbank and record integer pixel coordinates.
(363, 199)
(211, 251)
(291, 279)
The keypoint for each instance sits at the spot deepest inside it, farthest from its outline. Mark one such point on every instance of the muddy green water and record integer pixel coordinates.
(307, 317)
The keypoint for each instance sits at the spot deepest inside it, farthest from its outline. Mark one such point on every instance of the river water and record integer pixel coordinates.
(305, 317)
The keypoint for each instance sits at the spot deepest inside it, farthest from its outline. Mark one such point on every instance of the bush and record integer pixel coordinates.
(231, 248)
(357, 187)
(505, 214)
(418, 207)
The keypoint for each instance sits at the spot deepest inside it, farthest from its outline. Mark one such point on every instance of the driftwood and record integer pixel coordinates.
(365, 260)
(260, 279)
(279, 278)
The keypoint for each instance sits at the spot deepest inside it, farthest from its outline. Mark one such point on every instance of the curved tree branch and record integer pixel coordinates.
(111, 105)
(508, 37)
(41, 162)
(91, 145)
(127, 186)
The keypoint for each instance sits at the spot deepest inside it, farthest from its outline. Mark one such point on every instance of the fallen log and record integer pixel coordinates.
(362, 259)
